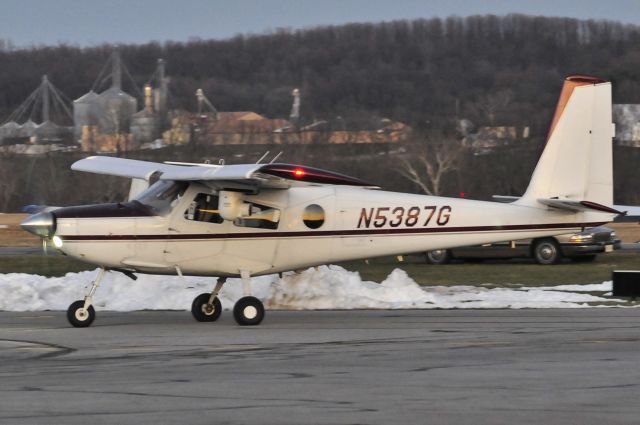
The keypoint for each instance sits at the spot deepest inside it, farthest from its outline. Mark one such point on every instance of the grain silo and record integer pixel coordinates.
(85, 112)
(145, 125)
(50, 132)
(115, 107)
(28, 129)
(9, 130)
(45, 104)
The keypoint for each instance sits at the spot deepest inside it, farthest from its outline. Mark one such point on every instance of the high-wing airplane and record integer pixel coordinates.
(254, 219)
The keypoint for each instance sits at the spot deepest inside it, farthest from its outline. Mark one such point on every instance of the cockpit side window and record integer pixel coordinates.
(162, 196)
(204, 208)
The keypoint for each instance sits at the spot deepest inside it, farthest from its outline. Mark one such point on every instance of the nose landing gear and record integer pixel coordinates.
(81, 313)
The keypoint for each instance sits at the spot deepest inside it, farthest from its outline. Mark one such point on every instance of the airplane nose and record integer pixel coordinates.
(42, 224)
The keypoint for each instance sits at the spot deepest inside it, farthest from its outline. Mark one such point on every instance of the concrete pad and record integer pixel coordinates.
(323, 367)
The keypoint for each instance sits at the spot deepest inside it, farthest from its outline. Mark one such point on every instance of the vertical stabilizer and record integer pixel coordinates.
(576, 163)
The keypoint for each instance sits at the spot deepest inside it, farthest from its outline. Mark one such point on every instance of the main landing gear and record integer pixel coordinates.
(207, 307)
(248, 310)
(81, 313)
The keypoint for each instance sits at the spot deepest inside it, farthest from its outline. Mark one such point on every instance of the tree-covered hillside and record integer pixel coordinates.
(493, 70)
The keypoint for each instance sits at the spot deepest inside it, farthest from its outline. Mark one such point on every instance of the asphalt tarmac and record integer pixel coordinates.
(577, 366)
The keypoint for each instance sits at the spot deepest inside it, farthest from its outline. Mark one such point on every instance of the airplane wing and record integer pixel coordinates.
(238, 176)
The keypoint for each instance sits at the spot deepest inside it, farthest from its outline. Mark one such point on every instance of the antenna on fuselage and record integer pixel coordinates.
(262, 157)
(276, 157)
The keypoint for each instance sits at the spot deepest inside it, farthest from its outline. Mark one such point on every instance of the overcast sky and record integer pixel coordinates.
(89, 22)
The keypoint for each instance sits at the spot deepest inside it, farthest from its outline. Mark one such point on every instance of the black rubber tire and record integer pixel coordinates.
(248, 311)
(584, 258)
(199, 311)
(547, 252)
(439, 256)
(77, 320)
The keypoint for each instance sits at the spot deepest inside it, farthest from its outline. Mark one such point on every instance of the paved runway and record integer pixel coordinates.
(326, 367)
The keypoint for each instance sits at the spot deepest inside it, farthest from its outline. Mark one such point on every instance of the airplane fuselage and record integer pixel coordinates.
(306, 227)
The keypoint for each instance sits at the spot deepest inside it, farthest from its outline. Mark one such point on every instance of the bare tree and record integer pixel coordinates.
(427, 164)
(493, 105)
(8, 187)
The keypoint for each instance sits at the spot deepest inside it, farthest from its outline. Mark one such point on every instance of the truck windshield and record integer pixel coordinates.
(162, 196)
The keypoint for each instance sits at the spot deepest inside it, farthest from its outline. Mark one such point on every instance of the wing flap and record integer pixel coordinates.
(225, 172)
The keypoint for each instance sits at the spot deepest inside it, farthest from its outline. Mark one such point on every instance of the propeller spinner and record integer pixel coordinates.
(42, 224)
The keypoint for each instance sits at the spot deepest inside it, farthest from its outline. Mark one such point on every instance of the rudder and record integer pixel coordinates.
(576, 163)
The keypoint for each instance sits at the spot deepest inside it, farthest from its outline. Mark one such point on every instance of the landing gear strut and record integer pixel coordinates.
(207, 307)
(248, 311)
(81, 313)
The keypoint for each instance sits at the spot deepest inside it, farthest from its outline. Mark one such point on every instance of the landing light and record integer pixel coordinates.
(299, 172)
(57, 241)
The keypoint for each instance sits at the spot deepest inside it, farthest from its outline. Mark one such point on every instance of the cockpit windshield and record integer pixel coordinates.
(162, 196)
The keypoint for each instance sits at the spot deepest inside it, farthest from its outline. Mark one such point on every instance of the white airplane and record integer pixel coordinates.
(255, 219)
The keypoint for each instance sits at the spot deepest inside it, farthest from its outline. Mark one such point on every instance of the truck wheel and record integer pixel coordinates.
(438, 256)
(547, 252)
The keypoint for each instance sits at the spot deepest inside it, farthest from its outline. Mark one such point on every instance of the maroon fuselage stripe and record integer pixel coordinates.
(357, 232)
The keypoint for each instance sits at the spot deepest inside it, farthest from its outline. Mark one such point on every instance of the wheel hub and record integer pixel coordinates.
(81, 314)
(250, 312)
(208, 309)
(546, 252)
(437, 254)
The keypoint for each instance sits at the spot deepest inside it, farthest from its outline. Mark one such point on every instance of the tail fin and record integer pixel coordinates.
(576, 164)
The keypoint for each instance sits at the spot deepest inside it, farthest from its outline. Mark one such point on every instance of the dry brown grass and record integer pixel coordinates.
(13, 235)
(627, 232)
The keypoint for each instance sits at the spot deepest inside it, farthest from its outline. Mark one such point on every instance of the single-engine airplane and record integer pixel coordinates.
(254, 219)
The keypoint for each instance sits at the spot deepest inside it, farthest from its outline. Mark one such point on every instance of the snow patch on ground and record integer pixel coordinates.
(326, 287)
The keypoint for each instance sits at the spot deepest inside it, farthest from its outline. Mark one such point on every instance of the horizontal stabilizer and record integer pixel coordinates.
(576, 205)
(629, 210)
(505, 198)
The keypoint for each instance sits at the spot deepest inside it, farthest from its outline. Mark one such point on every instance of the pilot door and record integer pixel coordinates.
(196, 231)
(252, 243)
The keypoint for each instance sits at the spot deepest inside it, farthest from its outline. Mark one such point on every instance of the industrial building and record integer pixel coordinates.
(208, 126)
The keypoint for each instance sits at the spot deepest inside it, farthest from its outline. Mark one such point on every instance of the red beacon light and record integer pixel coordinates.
(310, 175)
